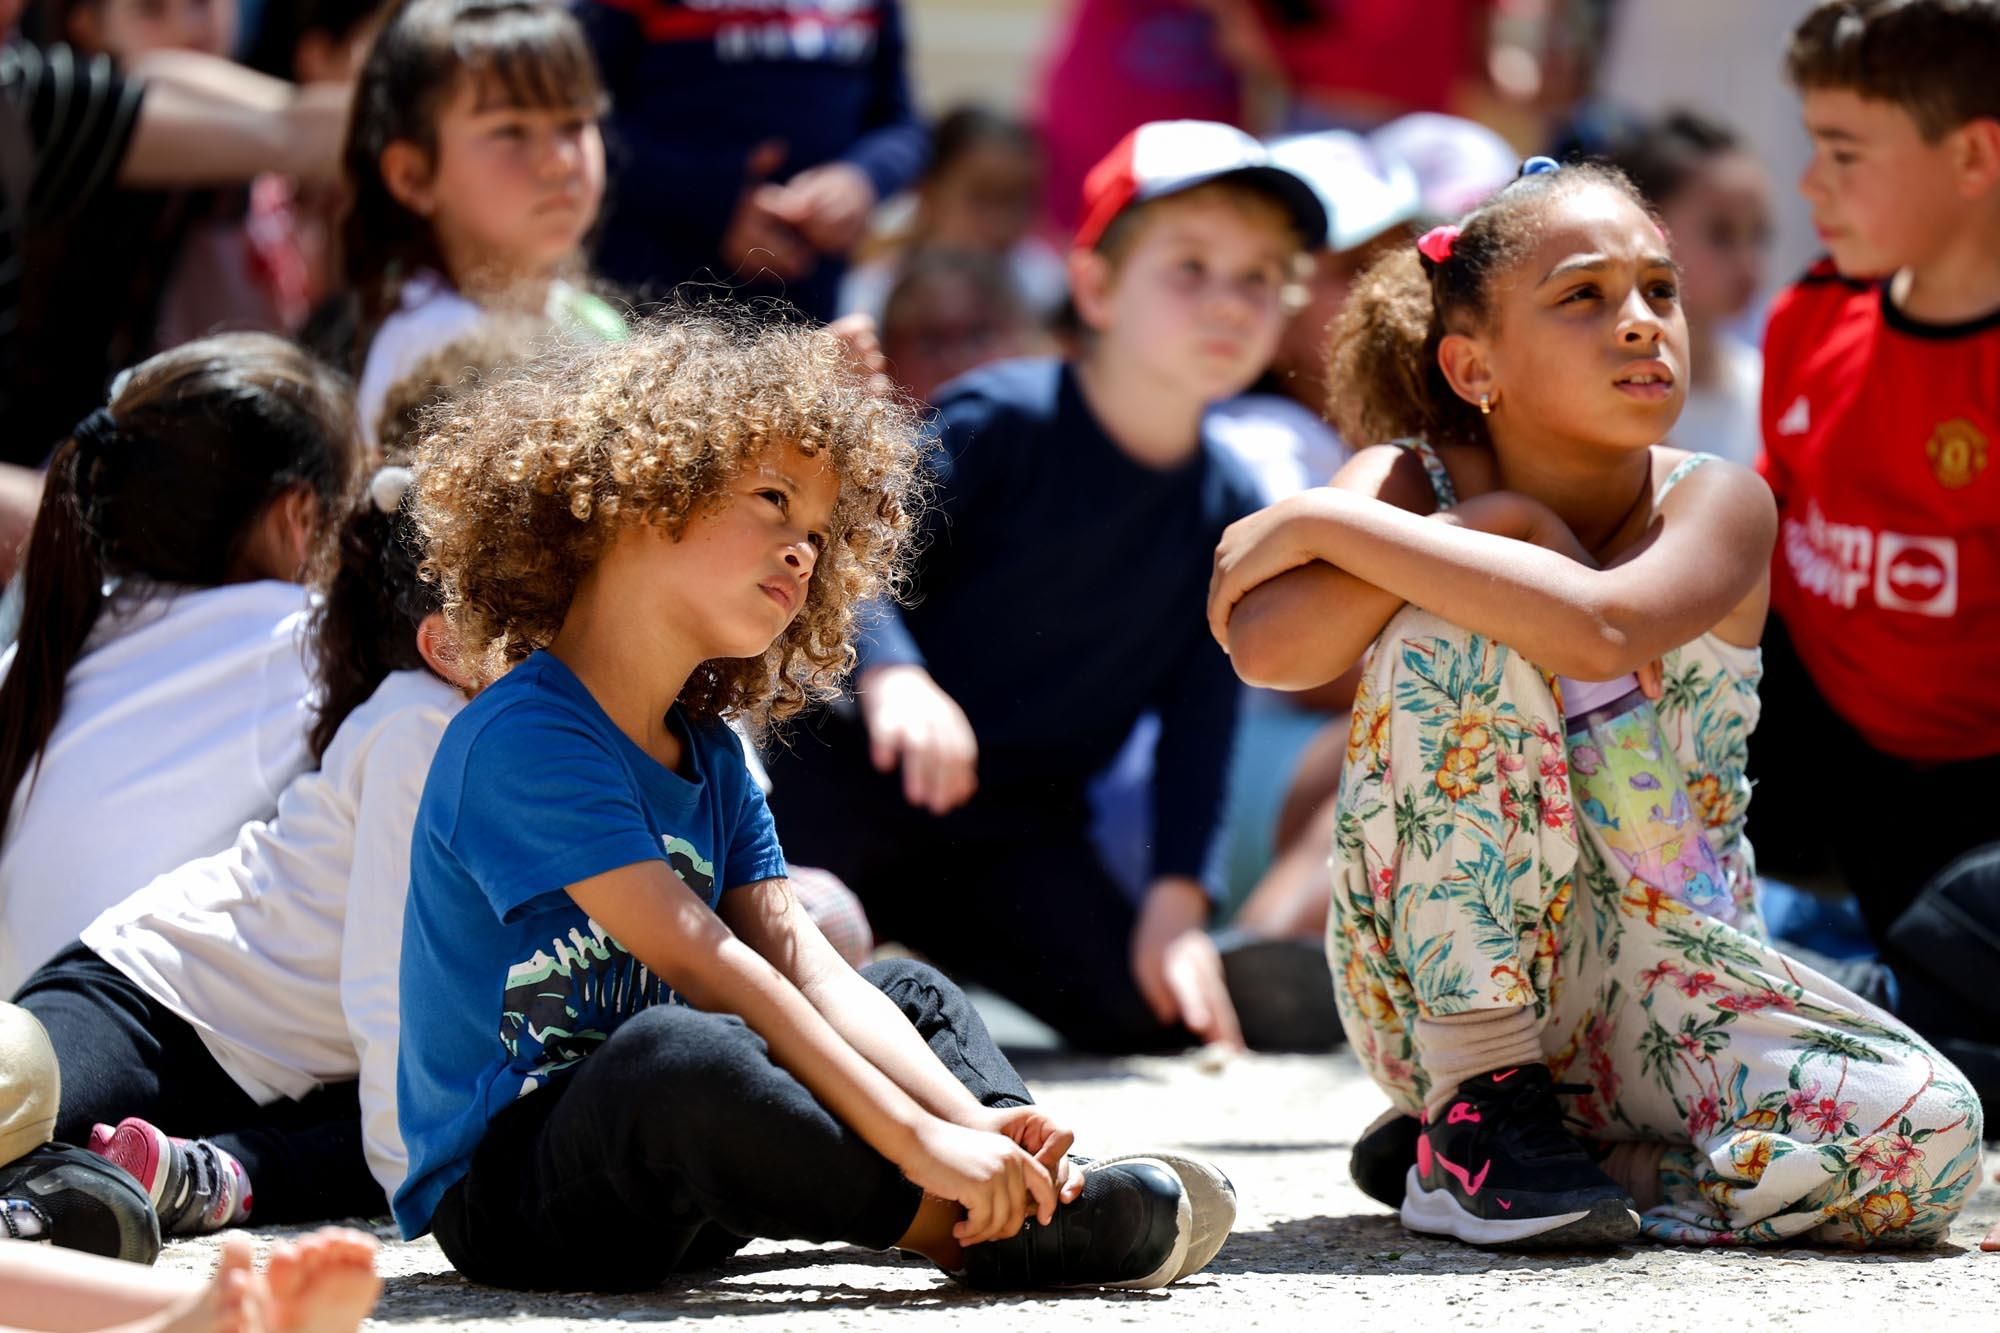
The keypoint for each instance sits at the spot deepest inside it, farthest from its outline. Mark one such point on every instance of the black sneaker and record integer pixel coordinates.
(1129, 1228)
(1382, 1157)
(1282, 992)
(77, 1200)
(1498, 1168)
(1211, 1200)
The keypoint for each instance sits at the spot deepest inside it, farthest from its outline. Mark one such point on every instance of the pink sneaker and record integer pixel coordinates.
(195, 1186)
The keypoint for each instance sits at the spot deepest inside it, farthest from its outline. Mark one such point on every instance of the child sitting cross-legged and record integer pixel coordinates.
(625, 1049)
(1541, 912)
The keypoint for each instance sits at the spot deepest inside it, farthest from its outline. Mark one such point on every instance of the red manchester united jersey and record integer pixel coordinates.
(1880, 437)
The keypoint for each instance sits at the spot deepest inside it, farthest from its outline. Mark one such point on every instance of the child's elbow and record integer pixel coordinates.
(1266, 653)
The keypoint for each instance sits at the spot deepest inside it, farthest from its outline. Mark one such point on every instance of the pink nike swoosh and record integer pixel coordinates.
(1502, 1078)
(1504, 1204)
(1471, 1184)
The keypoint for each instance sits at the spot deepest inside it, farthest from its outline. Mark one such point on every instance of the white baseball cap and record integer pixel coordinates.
(1364, 189)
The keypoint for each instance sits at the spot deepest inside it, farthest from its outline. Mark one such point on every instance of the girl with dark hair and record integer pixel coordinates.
(231, 1027)
(156, 698)
(1542, 893)
(1714, 198)
(476, 169)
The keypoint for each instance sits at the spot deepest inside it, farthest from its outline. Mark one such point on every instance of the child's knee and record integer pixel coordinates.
(1916, 1173)
(1419, 643)
(30, 1084)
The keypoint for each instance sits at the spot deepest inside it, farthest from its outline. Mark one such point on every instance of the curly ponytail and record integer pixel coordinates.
(1382, 357)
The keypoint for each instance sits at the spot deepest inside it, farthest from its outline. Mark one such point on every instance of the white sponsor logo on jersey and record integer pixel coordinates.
(1797, 419)
(1838, 561)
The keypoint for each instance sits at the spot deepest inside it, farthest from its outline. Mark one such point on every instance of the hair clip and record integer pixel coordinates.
(1437, 244)
(97, 433)
(388, 487)
(1538, 165)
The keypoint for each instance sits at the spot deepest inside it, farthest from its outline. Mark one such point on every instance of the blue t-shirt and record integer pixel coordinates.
(505, 980)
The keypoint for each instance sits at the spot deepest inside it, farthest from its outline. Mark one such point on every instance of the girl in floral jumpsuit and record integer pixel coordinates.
(1543, 933)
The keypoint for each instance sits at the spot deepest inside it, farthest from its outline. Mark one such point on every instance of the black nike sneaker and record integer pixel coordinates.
(1130, 1227)
(1498, 1169)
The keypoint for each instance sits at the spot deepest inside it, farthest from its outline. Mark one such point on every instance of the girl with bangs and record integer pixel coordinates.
(477, 169)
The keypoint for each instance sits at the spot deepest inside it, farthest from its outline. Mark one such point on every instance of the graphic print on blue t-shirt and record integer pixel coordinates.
(560, 1004)
(507, 983)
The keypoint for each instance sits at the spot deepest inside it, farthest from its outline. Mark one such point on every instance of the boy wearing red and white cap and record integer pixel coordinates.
(1058, 598)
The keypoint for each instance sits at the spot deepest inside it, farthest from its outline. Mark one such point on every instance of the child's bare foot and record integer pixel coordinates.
(236, 1300)
(322, 1283)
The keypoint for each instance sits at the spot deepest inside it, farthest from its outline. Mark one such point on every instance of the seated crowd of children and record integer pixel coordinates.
(471, 790)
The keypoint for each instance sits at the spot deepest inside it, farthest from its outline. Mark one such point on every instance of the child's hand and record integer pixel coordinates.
(913, 722)
(1037, 1131)
(760, 236)
(1253, 550)
(828, 205)
(1177, 966)
(990, 1176)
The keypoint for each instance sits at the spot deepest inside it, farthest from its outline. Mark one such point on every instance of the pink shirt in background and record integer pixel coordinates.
(1115, 65)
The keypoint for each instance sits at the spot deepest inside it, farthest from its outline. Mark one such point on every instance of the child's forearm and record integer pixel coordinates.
(802, 1042)
(1501, 571)
(659, 919)
(768, 918)
(1313, 623)
(870, 1022)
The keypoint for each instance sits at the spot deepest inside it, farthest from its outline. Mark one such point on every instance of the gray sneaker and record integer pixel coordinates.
(79, 1201)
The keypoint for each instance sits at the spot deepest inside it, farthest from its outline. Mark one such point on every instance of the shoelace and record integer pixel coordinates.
(1533, 1109)
(45, 1226)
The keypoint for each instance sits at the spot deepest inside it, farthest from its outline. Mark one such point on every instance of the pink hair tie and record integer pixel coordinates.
(1437, 244)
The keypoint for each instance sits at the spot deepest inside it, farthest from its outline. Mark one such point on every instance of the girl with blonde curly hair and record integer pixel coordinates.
(625, 1049)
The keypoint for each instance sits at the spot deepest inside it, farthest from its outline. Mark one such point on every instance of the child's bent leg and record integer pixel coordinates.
(305, 1158)
(678, 1124)
(1453, 852)
(955, 1032)
(1802, 1112)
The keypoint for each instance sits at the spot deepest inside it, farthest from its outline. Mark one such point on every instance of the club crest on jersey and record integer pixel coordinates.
(1957, 452)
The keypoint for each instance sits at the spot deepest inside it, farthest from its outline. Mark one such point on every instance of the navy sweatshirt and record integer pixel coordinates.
(1061, 592)
(697, 84)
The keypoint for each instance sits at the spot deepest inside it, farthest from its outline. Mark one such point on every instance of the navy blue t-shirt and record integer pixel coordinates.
(1063, 592)
(505, 980)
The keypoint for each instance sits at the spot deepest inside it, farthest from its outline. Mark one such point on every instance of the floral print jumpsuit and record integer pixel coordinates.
(1465, 879)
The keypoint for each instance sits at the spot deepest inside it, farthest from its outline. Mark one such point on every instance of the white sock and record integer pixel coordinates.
(1462, 1046)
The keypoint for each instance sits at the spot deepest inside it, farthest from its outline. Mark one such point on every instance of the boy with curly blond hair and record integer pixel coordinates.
(625, 1049)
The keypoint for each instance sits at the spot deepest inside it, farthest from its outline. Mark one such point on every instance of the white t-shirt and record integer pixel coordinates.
(1285, 445)
(431, 316)
(1722, 418)
(183, 719)
(282, 952)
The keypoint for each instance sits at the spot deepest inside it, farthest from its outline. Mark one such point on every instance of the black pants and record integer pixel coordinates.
(680, 1139)
(1007, 890)
(122, 1054)
(1826, 799)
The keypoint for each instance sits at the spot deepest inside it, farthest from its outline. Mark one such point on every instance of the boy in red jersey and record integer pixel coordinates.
(1881, 735)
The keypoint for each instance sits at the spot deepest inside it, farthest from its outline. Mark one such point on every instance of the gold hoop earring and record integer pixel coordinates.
(1485, 404)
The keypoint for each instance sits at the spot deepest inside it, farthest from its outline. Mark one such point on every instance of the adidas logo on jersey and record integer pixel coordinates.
(1797, 419)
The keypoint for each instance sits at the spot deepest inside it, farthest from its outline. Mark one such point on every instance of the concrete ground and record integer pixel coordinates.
(1309, 1250)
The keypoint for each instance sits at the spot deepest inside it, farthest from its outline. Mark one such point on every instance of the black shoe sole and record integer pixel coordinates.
(1283, 993)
